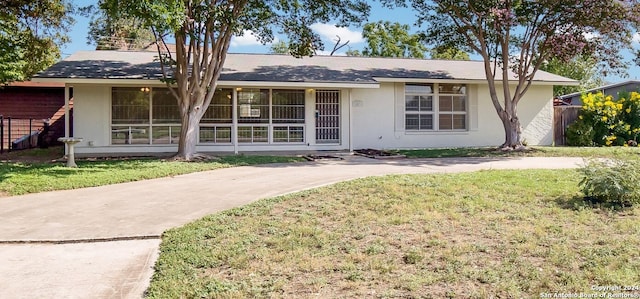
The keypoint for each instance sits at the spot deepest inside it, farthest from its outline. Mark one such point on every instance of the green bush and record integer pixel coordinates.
(612, 182)
(580, 133)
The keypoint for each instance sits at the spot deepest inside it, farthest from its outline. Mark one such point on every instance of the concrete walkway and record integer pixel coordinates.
(102, 242)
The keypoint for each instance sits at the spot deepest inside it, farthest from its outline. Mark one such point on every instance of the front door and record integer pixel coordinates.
(327, 117)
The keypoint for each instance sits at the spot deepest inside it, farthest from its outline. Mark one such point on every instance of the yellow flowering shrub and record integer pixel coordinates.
(604, 120)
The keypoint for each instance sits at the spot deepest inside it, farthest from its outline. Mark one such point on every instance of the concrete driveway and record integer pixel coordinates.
(102, 242)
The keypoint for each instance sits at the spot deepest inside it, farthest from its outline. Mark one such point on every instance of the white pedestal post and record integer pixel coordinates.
(70, 142)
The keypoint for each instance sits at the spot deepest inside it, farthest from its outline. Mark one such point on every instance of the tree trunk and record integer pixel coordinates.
(188, 135)
(512, 132)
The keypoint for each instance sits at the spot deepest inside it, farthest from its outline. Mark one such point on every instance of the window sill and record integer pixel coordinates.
(466, 132)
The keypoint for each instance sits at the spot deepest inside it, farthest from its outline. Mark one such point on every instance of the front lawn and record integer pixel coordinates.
(501, 234)
(30, 177)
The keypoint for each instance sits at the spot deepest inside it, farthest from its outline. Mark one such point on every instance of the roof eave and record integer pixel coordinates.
(277, 84)
(468, 81)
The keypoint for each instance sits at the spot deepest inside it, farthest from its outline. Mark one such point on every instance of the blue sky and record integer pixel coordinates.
(328, 32)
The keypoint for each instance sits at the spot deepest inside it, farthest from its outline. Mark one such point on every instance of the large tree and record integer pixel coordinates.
(121, 33)
(31, 34)
(447, 53)
(520, 35)
(202, 31)
(583, 69)
(386, 39)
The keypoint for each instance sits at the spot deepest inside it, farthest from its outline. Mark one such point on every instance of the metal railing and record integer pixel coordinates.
(21, 133)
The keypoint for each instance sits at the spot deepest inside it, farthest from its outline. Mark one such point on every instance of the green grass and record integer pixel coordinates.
(542, 151)
(36, 174)
(20, 178)
(502, 234)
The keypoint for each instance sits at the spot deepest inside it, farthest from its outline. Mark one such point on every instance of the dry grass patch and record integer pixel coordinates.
(507, 234)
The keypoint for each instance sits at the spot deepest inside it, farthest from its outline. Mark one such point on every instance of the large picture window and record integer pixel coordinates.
(435, 107)
(143, 115)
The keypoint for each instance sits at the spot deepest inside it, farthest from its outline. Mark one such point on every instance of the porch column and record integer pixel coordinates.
(67, 129)
(350, 121)
(234, 121)
(67, 118)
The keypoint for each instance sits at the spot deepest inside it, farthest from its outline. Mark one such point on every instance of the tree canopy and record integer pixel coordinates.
(31, 33)
(520, 35)
(386, 39)
(279, 47)
(581, 68)
(445, 53)
(122, 33)
(202, 31)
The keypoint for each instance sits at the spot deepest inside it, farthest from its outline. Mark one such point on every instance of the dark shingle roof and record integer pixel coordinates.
(633, 83)
(276, 68)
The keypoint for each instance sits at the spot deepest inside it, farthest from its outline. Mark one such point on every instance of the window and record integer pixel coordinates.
(288, 134)
(164, 107)
(221, 108)
(165, 117)
(253, 134)
(253, 106)
(130, 106)
(435, 107)
(215, 125)
(419, 106)
(151, 116)
(265, 114)
(215, 134)
(452, 114)
(143, 115)
(130, 116)
(288, 106)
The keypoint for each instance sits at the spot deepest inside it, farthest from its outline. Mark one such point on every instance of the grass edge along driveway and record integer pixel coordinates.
(18, 178)
(500, 233)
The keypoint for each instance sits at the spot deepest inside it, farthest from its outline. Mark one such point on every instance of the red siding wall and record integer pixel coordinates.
(38, 103)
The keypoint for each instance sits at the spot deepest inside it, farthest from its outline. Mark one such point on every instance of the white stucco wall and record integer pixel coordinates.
(378, 120)
(91, 115)
(374, 116)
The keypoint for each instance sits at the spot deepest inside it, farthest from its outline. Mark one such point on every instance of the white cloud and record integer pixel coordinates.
(327, 53)
(590, 35)
(636, 37)
(247, 39)
(329, 32)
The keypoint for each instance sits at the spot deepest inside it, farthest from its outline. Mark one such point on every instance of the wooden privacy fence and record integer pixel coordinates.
(563, 116)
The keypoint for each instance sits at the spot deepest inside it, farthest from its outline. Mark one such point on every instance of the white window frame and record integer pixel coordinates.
(420, 112)
(435, 112)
